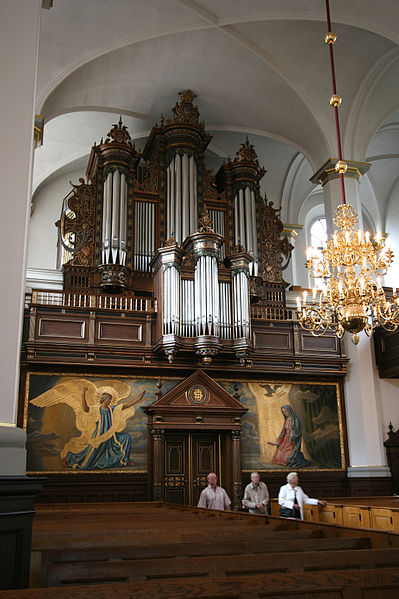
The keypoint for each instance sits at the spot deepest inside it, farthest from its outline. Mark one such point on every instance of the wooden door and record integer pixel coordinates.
(205, 458)
(176, 468)
(189, 457)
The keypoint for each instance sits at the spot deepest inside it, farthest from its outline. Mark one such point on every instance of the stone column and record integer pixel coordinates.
(363, 412)
(331, 183)
(236, 457)
(362, 389)
(19, 38)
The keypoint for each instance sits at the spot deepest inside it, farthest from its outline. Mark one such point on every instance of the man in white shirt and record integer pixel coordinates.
(291, 498)
(256, 495)
(214, 497)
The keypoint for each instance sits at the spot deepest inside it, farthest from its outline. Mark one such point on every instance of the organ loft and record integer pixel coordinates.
(156, 234)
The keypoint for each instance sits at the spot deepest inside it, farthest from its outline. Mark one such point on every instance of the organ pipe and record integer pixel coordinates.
(181, 201)
(178, 199)
(245, 229)
(254, 234)
(144, 243)
(114, 227)
(243, 239)
(115, 216)
(193, 195)
(168, 203)
(122, 219)
(185, 197)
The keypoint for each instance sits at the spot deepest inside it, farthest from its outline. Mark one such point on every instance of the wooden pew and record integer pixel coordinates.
(102, 546)
(128, 563)
(130, 570)
(162, 536)
(380, 583)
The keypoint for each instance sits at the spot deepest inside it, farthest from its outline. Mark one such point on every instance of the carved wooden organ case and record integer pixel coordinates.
(158, 224)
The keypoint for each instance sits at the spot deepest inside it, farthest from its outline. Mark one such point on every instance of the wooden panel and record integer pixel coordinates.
(382, 518)
(119, 331)
(356, 516)
(61, 328)
(331, 514)
(17, 496)
(82, 487)
(176, 468)
(273, 339)
(311, 512)
(325, 344)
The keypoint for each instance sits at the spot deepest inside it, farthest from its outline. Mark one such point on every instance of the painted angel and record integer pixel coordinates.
(100, 415)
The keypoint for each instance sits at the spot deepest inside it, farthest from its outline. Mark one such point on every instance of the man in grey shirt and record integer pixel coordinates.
(214, 497)
(256, 495)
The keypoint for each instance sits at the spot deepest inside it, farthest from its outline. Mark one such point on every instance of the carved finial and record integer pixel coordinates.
(171, 242)
(205, 223)
(239, 249)
(186, 111)
(162, 120)
(246, 153)
(119, 134)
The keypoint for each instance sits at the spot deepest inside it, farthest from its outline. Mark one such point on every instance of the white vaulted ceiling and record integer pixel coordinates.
(258, 67)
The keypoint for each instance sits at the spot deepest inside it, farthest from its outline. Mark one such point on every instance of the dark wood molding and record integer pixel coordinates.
(17, 496)
(386, 346)
(392, 451)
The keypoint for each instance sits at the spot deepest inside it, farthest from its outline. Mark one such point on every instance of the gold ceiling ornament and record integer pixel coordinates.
(350, 265)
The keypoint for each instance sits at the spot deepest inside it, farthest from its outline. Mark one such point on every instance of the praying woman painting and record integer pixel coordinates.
(101, 413)
(288, 452)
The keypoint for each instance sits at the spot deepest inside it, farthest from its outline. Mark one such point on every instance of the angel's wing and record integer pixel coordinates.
(69, 391)
(121, 388)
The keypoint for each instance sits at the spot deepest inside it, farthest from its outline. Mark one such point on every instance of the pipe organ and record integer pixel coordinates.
(133, 228)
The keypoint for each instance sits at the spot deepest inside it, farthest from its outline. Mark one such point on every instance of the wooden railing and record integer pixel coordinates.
(90, 301)
(272, 313)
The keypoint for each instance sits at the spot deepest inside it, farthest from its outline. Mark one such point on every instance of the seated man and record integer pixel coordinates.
(256, 495)
(214, 497)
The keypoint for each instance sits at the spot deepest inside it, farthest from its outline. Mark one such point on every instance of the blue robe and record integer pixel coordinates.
(110, 454)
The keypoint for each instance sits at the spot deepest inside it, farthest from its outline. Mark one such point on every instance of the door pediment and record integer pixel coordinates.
(198, 401)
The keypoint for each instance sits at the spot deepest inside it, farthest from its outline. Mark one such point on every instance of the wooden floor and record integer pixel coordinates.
(156, 550)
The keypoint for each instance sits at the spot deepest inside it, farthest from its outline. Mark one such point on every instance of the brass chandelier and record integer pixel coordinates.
(350, 265)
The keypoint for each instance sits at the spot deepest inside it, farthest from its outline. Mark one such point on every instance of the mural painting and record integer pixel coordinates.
(96, 424)
(290, 425)
(80, 424)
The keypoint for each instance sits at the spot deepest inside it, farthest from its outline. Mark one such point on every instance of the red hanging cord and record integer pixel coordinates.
(334, 86)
